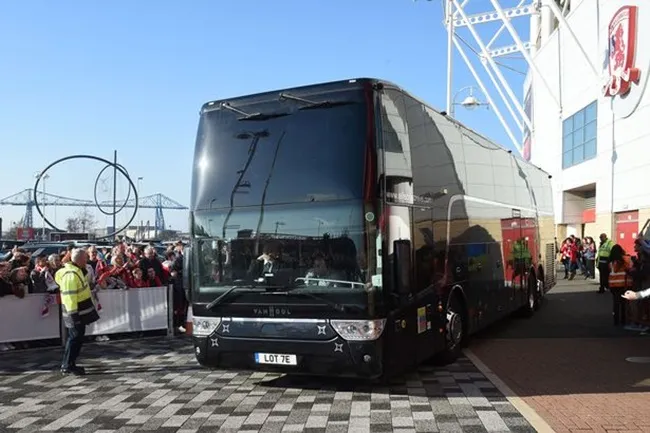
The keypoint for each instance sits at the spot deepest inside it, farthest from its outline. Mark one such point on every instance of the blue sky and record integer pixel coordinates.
(89, 77)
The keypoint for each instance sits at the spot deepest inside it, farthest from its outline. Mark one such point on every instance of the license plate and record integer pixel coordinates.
(276, 359)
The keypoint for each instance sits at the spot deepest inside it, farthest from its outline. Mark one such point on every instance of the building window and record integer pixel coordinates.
(579, 136)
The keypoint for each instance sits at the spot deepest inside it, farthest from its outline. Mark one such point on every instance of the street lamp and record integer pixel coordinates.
(139, 229)
(38, 175)
(470, 102)
(321, 223)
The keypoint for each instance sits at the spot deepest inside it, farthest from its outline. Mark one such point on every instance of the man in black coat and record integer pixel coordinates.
(151, 261)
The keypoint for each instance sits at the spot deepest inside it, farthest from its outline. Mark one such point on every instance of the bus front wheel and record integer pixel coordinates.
(455, 331)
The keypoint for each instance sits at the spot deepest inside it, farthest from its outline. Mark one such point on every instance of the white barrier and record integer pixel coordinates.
(123, 311)
(133, 310)
(21, 319)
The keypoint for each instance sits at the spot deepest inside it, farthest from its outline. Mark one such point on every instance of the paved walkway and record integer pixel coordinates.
(156, 385)
(569, 363)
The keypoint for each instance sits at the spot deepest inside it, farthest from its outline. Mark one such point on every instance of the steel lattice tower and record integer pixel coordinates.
(543, 15)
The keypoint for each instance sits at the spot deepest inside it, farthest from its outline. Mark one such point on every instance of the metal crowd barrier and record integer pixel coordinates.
(123, 312)
(21, 319)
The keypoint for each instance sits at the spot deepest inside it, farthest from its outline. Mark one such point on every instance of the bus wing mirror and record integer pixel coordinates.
(402, 263)
(187, 272)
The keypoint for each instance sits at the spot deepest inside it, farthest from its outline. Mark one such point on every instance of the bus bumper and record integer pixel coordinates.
(335, 357)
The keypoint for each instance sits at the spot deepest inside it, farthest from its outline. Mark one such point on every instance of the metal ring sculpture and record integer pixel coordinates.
(128, 195)
(108, 163)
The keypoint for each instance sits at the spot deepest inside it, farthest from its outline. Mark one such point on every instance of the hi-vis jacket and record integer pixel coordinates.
(76, 298)
(618, 277)
(604, 250)
(520, 250)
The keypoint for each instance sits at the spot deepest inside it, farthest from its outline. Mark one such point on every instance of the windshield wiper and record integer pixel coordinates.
(326, 104)
(310, 105)
(225, 294)
(251, 116)
(338, 307)
(247, 288)
(262, 116)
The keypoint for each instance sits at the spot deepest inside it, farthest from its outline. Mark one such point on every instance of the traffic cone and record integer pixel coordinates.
(189, 321)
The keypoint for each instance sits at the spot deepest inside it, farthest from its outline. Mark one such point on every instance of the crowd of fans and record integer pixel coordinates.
(578, 255)
(633, 315)
(126, 266)
(626, 276)
(121, 267)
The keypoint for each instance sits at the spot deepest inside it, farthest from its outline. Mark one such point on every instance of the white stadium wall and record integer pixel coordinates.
(622, 124)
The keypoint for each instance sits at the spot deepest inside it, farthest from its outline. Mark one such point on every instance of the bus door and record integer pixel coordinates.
(524, 249)
(513, 247)
(401, 326)
(428, 264)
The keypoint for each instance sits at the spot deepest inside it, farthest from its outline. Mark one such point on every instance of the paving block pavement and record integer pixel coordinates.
(569, 363)
(156, 385)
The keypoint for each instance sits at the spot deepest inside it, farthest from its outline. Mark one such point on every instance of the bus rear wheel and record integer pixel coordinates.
(531, 297)
(541, 287)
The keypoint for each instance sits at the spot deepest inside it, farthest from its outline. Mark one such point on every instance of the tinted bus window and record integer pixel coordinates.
(317, 245)
(309, 155)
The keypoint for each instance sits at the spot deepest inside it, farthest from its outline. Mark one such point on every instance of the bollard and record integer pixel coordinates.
(189, 322)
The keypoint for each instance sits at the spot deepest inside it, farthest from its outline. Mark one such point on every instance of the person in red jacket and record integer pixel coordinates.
(137, 282)
(569, 258)
(573, 258)
(152, 279)
(565, 256)
(168, 265)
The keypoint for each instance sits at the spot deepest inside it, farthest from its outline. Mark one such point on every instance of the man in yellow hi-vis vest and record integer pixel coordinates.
(602, 258)
(520, 259)
(77, 308)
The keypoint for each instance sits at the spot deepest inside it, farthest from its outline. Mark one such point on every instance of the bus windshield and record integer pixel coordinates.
(277, 194)
(298, 246)
(293, 155)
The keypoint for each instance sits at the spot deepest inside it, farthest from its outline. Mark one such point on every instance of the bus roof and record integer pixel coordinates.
(325, 87)
(273, 94)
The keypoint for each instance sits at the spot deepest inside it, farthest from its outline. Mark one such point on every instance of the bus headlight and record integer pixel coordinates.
(204, 326)
(359, 330)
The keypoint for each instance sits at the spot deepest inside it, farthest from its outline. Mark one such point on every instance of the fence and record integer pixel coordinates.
(123, 311)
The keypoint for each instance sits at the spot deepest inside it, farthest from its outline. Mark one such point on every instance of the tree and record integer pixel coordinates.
(72, 225)
(83, 221)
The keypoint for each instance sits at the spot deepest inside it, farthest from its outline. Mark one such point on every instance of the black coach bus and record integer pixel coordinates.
(348, 229)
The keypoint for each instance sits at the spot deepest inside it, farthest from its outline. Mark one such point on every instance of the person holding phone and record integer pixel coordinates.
(631, 295)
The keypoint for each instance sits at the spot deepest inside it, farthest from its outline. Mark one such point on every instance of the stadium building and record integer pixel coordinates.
(589, 107)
